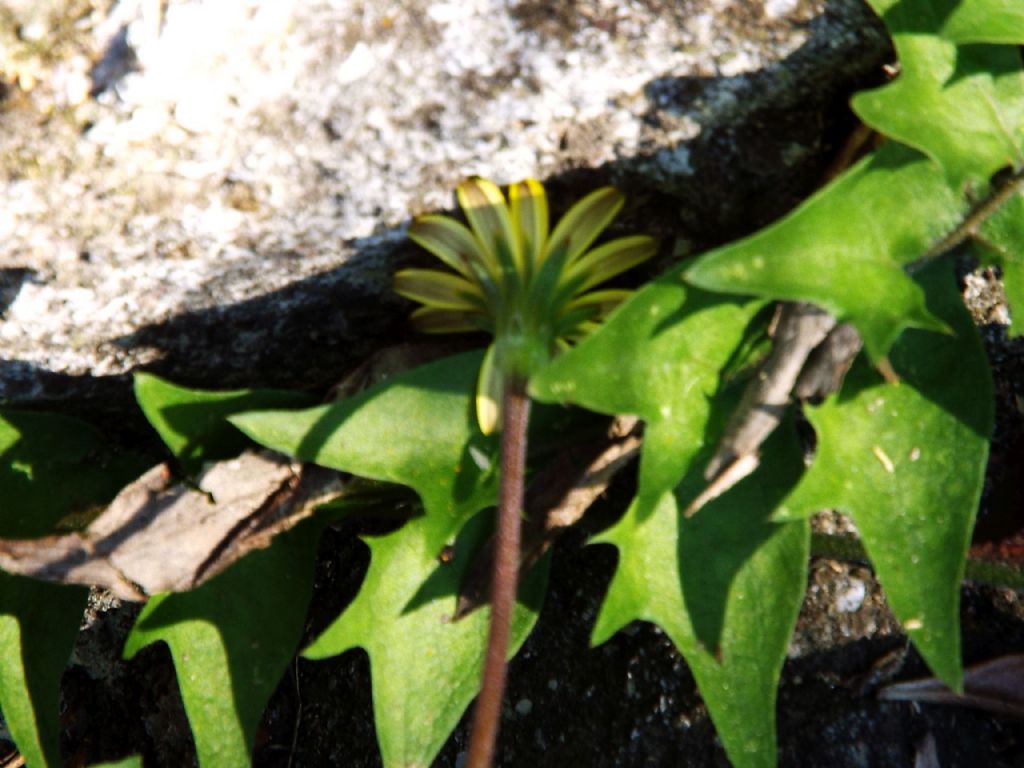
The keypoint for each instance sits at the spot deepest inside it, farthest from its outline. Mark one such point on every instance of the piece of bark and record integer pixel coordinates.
(559, 513)
(800, 328)
(725, 479)
(159, 535)
(556, 499)
(994, 686)
(829, 363)
(810, 357)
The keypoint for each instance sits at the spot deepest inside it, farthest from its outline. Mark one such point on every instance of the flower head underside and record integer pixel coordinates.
(529, 287)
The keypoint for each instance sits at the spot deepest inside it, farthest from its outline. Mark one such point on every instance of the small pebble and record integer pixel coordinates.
(773, 9)
(851, 598)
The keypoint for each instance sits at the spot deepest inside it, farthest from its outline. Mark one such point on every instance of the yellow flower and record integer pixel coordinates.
(528, 287)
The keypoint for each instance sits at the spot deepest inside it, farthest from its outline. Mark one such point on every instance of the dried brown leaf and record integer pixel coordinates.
(995, 686)
(800, 328)
(556, 499)
(159, 535)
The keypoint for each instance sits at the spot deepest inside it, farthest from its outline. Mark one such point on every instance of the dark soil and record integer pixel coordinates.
(629, 702)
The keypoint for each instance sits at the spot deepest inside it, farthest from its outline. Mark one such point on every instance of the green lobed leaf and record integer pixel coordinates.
(232, 640)
(425, 668)
(54, 467)
(1002, 244)
(963, 105)
(193, 422)
(727, 566)
(51, 467)
(135, 761)
(38, 626)
(844, 249)
(659, 357)
(417, 429)
(907, 461)
(726, 580)
(984, 21)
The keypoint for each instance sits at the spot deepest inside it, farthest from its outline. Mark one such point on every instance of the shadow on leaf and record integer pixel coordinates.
(718, 541)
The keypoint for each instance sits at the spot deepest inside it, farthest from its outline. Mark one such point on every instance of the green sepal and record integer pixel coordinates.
(447, 239)
(489, 218)
(528, 203)
(434, 320)
(582, 223)
(442, 290)
(489, 390)
(609, 260)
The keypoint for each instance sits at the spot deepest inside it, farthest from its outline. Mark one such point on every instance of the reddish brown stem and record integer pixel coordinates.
(505, 578)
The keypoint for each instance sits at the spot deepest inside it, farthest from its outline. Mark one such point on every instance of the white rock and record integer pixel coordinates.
(358, 64)
(852, 597)
(774, 9)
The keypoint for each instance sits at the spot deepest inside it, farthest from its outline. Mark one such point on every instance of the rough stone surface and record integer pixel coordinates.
(228, 205)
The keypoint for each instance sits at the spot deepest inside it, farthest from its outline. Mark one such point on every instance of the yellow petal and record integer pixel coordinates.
(529, 205)
(489, 218)
(434, 320)
(449, 240)
(488, 395)
(611, 259)
(584, 222)
(438, 289)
